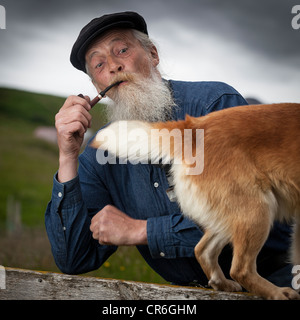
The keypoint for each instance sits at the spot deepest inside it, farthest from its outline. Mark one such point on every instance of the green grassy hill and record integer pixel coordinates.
(27, 166)
(26, 163)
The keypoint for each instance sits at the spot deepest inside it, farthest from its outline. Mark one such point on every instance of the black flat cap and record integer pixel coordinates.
(95, 28)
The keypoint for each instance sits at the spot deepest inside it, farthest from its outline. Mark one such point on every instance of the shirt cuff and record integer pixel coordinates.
(67, 193)
(159, 237)
(172, 236)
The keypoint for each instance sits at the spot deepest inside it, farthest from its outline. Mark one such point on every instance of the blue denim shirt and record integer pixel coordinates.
(139, 191)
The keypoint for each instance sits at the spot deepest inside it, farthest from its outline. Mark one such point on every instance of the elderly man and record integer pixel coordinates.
(96, 208)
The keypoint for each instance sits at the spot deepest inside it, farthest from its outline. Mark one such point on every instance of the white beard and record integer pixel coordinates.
(146, 99)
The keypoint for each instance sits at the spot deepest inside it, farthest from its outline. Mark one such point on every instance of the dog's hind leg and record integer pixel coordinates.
(207, 252)
(249, 235)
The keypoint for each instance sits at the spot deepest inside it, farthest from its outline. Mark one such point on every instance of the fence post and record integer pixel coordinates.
(13, 216)
(2, 278)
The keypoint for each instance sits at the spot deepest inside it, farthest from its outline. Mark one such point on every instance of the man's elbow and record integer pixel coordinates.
(67, 267)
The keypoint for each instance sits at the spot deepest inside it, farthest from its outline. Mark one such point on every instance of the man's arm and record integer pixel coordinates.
(67, 219)
(71, 123)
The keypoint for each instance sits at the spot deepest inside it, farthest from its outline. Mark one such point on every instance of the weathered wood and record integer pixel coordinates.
(36, 285)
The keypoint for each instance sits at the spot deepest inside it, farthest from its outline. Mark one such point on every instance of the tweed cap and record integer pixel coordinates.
(96, 27)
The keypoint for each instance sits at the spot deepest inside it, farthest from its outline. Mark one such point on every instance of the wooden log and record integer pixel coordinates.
(38, 285)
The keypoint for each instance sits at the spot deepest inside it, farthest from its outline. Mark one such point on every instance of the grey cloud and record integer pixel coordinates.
(256, 28)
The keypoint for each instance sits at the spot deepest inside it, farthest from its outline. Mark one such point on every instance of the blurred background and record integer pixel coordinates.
(249, 44)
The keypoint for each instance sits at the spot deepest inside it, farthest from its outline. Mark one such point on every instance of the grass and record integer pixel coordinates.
(27, 166)
(26, 163)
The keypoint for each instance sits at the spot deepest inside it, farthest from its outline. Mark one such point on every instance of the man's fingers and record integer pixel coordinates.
(94, 229)
(87, 98)
(75, 100)
(78, 113)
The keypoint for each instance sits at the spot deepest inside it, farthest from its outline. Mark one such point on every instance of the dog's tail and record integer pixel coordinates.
(160, 142)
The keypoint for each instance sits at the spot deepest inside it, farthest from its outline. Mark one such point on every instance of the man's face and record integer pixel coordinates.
(117, 56)
(116, 52)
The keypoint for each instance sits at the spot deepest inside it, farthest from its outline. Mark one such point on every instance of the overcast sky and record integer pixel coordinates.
(249, 44)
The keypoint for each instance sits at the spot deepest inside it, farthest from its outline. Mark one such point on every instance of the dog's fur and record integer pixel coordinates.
(251, 177)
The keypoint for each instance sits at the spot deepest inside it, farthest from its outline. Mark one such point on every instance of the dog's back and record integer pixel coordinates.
(252, 150)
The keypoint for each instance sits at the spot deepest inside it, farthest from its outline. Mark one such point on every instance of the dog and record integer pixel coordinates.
(250, 178)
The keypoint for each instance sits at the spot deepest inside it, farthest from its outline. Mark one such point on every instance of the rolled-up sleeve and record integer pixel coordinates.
(54, 225)
(172, 236)
(67, 223)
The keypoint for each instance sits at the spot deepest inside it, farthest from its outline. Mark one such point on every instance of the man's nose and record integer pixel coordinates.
(114, 64)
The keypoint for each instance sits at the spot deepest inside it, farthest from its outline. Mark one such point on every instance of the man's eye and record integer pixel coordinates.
(99, 65)
(122, 51)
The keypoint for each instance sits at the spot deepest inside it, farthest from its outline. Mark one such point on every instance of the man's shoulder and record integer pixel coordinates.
(202, 97)
(214, 89)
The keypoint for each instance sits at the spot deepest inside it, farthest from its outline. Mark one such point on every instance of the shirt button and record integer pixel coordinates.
(59, 194)
(156, 184)
(162, 254)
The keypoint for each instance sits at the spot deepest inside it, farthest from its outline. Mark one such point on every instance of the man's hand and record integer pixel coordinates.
(111, 226)
(71, 123)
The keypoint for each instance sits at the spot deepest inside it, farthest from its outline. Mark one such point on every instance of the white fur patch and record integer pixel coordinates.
(272, 203)
(133, 141)
(194, 204)
(128, 140)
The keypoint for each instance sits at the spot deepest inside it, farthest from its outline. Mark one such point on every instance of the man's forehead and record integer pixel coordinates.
(108, 39)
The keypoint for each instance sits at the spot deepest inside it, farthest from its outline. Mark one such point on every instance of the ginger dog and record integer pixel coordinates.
(250, 177)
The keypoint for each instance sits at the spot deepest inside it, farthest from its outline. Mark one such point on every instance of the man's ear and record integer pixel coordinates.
(154, 56)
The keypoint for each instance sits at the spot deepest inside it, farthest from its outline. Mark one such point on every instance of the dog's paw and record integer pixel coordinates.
(224, 285)
(285, 294)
